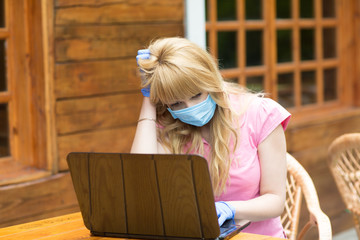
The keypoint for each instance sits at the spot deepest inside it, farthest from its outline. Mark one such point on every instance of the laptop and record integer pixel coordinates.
(147, 196)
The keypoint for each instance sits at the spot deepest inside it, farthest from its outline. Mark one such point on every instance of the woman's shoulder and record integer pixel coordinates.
(262, 107)
(241, 102)
(252, 106)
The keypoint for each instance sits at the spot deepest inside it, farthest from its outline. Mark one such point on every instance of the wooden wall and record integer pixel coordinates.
(96, 82)
(93, 45)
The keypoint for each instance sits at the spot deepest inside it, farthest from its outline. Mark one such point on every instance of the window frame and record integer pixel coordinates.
(344, 62)
(26, 87)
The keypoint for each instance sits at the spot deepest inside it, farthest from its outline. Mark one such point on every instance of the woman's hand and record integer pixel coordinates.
(224, 211)
(144, 54)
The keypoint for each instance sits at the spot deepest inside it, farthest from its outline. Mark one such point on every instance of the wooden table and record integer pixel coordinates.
(71, 227)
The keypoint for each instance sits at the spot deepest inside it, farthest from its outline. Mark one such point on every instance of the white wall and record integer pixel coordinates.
(195, 22)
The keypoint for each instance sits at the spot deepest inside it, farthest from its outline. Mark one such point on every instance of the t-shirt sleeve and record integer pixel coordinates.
(269, 115)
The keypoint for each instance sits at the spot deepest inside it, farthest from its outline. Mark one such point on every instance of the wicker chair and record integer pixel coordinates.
(299, 184)
(344, 163)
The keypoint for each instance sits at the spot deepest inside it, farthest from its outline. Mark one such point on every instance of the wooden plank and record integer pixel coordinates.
(312, 157)
(80, 233)
(19, 85)
(140, 176)
(121, 12)
(295, 39)
(84, 114)
(12, 172)
(76, 79)
(70, 3)
(64, 227)
(33, 25)
(109, 140)
(346, 50)
(34, 199)
(36, 225)
(322, 134)
(107, 206)
(5, 97)
(45, 232)
(43, 215)
(250, 236)
(357, 54)
(108, 41)
(49, 65)
(173, 172)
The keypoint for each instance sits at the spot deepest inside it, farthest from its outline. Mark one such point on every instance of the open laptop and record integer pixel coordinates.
(151, 196)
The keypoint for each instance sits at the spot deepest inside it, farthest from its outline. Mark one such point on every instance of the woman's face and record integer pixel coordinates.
(185, 103)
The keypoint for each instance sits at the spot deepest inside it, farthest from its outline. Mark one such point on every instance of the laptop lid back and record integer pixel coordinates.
(145, 195)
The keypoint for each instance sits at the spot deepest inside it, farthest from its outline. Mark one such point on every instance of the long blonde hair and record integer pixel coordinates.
(179, 69)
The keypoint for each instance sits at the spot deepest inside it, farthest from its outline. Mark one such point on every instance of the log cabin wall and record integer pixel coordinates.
(94, 95)
(96, 78)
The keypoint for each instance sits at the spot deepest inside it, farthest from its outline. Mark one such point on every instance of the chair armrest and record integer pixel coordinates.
(322, 221)
(317, 216)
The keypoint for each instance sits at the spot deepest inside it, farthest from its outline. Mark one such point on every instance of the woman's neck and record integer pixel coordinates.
(205, 132)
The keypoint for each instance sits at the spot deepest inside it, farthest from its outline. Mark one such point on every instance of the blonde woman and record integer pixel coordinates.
(189, 108)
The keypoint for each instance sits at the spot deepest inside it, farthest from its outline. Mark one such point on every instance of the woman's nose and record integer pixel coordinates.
(189, 104)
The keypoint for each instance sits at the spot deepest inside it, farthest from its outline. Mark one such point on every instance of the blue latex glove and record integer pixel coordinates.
(224, 212)
(144, 54)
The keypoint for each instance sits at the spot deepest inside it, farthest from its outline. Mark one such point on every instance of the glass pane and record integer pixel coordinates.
(306, 9)
(328, 8)
(307, 42)
(206, 10)
(226, 10)
(308, 87)
(3, 80)
(4, 131)
(329, 42)
(254, 48)
(227, 49)
(330, 89)
(284, 46)
(283, 9)
(253, 9)
(2, 13)
(286, 89)
(255, 83)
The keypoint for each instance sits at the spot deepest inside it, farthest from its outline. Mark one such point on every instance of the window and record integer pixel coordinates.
(22, 138)
(289, 49)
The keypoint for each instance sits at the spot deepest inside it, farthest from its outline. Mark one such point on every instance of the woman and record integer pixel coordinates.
(189, 108)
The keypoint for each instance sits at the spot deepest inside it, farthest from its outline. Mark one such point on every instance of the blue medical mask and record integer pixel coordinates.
(197, 115)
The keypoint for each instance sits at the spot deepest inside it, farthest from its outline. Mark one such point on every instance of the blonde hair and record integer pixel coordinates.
(179, 69)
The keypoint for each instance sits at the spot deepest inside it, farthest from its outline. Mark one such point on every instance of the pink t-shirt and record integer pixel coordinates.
(262, 116)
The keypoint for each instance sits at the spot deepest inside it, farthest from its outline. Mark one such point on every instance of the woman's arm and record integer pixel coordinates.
(270, 203)
(145, 140)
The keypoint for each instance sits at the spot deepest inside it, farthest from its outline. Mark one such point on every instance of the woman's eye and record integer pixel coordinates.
(196, 96)
(174, 104)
